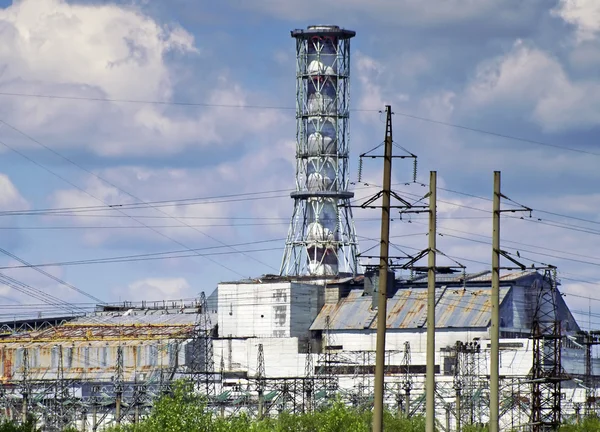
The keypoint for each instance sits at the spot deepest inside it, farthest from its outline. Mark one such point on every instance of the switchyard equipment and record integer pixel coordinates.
(107, 367)
(321, 239)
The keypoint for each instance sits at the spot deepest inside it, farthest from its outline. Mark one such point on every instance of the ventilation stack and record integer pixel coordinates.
(322, 238)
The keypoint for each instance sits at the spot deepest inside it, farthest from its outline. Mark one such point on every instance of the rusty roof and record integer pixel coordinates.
(106, 327)
(407, 309)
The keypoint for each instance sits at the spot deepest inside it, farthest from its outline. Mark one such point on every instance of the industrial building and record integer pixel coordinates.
(336, 351)
(293, 341)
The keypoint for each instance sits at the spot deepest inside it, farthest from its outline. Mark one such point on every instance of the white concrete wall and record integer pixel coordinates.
(268, 310)
(254, 310)
(281, 356)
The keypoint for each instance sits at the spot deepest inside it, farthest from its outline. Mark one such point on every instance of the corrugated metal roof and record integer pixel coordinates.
(484, 276)
(456, 307)
(120, 320)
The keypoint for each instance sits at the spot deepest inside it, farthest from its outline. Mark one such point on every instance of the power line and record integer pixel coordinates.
(527, 251)
(150, 102)
(96, 198)
(513, 242)
(68, 211)
(288, 108)
(51, 276)
(147, 256)
(144, 205)
(533, 208)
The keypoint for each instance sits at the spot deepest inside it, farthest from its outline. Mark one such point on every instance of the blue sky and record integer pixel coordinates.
(525, 69)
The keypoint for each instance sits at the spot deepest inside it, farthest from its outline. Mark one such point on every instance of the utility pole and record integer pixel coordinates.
(430, 368)
(495, 324)
(383, 276)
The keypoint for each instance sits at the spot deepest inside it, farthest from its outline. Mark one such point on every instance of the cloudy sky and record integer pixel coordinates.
(451, 69)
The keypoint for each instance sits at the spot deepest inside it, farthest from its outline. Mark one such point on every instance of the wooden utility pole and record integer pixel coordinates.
(430, 368)
(383, 275)
(495, 324)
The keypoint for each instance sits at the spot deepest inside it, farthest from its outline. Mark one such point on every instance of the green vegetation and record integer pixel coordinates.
(183, 411)
(28, 426)
(590, 424)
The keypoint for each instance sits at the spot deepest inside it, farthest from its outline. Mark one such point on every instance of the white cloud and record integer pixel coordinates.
(532, 81)
(10, 197)
(157, 289)
(268, 168)
(404, 12)
(583, 14)
(105, 46)
(115, 52)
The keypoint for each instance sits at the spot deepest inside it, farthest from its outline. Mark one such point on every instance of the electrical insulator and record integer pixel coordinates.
(415, 170)
(360, 164)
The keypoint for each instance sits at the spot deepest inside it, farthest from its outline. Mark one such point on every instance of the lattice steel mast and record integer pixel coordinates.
(547, 372)
(322, 237)
(407, 382)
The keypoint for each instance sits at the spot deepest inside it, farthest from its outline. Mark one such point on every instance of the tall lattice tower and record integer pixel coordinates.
(322, 238)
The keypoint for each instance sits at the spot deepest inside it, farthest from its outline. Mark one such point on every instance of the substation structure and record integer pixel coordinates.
(292, 344)
(276, 344)
(105, 368)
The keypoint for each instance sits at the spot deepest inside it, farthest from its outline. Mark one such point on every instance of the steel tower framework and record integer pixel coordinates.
(546, 373)
(322, 238)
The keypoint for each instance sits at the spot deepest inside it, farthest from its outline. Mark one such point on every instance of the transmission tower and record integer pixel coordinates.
(458, 385)
(590, 339)
(407, 382)
(309, 370)
(60, 393)
(118, 384)
(325, 370)
(260, 380)
(467, 383)
(546, 373)
(25, 387)
(209, 362)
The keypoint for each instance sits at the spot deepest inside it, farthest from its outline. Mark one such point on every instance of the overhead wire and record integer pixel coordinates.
(134, 257)
(51, 276)
(289, 108)
(152, 204)
(170, 216)
(74, 211)
(99, 199)
(516, 243)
